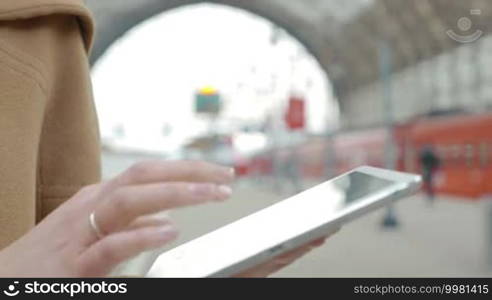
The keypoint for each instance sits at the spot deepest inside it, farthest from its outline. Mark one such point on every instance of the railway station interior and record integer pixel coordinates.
(292, 93)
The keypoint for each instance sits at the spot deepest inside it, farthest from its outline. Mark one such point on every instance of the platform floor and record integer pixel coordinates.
(448, 238)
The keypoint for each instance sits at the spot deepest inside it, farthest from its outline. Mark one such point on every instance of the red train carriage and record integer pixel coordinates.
(463, 144)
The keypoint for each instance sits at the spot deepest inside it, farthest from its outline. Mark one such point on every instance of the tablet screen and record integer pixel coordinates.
(356, 185)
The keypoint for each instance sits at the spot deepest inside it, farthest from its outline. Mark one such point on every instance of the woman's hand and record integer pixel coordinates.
(64, 244)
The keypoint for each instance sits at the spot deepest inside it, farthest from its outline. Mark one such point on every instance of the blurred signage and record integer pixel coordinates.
(295, 115)
(207, 100)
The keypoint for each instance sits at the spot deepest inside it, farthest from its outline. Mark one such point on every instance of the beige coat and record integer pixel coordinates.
(49, 139)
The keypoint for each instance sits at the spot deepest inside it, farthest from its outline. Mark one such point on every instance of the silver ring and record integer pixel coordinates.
(94, 226)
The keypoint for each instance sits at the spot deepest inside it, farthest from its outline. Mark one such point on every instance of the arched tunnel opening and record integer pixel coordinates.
(259, 72)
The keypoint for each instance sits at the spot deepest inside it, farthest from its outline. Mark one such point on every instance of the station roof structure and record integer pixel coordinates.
(344, 35)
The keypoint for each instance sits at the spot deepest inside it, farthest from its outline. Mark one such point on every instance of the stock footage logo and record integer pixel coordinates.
(12, 290)
(465, 25)
(67, 288)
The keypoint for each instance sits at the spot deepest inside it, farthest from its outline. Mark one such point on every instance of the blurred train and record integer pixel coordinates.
(462, 142)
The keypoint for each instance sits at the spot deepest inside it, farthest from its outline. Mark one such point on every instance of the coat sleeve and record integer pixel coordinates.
(22, 105)
(37, 88)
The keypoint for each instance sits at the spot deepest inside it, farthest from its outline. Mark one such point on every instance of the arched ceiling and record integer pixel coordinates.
(345, 36)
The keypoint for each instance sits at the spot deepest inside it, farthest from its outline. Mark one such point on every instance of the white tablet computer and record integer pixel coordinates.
(285, 225)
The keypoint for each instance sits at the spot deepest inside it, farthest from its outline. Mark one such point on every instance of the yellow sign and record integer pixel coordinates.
(208, 90)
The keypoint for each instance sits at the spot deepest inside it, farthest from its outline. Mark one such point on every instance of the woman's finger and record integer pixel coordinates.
(149, 221)
(100, 258)
(177, 171)
(127, 203)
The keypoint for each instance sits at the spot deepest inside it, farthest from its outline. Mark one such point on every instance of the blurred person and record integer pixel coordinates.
(430, 163)
(57, 218)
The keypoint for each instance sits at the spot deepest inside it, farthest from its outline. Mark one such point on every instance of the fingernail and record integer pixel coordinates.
(166, 233)
(229, 174)
(201, 189)
(223, 192)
